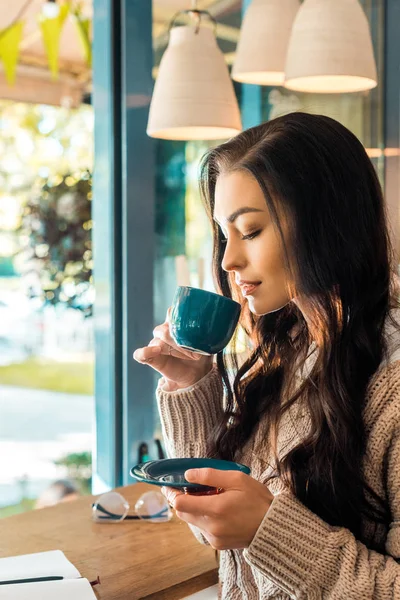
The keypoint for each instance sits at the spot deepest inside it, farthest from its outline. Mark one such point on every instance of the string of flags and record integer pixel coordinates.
(51, 20)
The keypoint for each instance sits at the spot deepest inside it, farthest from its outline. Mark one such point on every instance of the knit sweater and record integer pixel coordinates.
(294, 553)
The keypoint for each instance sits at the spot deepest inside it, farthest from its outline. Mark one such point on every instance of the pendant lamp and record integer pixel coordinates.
(264, 37)
(193, 97)
(330, 49)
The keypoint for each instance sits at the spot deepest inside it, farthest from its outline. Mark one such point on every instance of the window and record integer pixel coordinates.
(46, 296)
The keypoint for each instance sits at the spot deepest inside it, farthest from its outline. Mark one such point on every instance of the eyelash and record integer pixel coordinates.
(249, 236)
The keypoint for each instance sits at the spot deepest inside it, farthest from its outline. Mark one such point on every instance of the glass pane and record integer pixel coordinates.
(183, 233)
(362, 112)
(46, 298)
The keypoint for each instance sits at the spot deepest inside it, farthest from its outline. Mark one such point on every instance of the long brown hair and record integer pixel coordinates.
(316, 173)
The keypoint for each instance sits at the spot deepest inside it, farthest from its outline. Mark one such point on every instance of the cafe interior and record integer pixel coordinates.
(162, 82)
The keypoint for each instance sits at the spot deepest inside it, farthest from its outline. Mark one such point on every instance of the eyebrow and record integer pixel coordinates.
(241, 211)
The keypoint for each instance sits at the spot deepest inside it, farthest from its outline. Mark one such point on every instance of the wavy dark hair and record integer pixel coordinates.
(316, 176)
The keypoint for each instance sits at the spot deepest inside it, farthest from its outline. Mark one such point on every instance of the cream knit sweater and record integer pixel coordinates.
(295, 554)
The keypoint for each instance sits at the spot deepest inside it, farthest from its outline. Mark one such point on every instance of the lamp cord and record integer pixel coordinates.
(195, 14)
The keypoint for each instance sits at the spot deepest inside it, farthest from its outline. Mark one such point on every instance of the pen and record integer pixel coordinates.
(32, 580)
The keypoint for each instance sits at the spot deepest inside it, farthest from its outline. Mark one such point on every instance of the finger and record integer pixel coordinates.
(171, 494)
(168, 350)
(205, 534)
(165, 349)
(197, 506)
(155, 342)
(154, 350)
(169, 313)
(145, 355)
(162, 333)
(198, 521)
(215, 477)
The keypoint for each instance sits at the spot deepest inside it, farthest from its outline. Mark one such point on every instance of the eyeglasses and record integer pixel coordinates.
(111, 507)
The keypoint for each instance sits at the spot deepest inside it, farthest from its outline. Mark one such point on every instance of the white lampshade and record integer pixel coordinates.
(264, 37)
(330, 49)
(193, 96)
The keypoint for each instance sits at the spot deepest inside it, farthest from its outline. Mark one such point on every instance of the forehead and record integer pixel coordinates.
(235, 190)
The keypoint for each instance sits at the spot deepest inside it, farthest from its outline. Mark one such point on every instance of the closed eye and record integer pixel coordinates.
(251, 236)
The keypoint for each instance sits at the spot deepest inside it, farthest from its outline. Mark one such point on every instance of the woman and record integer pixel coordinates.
(300, 233)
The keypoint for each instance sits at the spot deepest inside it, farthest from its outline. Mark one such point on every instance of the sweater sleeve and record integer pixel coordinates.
(309, 559)
(189, 415)
(187, 419)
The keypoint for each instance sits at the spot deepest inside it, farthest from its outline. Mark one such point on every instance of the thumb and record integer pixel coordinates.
(212, 477)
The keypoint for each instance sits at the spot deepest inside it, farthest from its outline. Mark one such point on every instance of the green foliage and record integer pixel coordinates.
(43, 374)
(17, 509)
(79, 468)
(56, 225)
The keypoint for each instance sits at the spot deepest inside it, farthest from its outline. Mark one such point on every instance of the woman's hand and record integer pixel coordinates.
(180, 368)
(227, 520)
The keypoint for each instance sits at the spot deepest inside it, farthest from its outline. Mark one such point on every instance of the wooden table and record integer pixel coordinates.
(134, 559)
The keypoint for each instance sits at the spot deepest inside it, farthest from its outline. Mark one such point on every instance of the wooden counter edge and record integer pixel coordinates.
(188, 587)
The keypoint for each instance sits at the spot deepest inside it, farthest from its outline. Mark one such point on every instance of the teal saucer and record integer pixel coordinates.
(171, 472)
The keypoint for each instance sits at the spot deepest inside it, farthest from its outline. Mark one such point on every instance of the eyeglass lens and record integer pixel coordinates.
(112, 507)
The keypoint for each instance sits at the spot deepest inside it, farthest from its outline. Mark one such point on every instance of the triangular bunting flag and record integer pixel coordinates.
(83, 27)
(51, 31)
(10, 39)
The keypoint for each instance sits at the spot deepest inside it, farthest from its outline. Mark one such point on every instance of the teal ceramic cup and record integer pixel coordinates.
(202, 321)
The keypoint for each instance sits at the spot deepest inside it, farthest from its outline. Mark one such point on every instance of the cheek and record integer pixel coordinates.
(269, 264)
(269, 255)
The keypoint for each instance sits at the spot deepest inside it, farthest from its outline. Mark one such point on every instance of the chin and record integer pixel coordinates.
(259, 309)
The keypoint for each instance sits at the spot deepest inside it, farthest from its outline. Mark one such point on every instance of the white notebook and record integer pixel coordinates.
(38, 566)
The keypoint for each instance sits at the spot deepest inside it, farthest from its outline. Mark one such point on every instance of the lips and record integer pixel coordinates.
(248, 287)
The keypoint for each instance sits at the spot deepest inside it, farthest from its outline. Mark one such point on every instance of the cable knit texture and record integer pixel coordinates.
(295, 554)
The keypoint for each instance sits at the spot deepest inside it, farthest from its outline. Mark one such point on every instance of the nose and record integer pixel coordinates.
(233, 259)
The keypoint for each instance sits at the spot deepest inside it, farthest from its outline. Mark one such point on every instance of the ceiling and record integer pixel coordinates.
(34, 84)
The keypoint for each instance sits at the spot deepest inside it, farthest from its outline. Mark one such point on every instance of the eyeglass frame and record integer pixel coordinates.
(110, 517)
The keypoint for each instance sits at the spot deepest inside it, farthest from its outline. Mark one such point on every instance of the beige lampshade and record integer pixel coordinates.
(193, 96)
(264, 37)
(330, 49)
